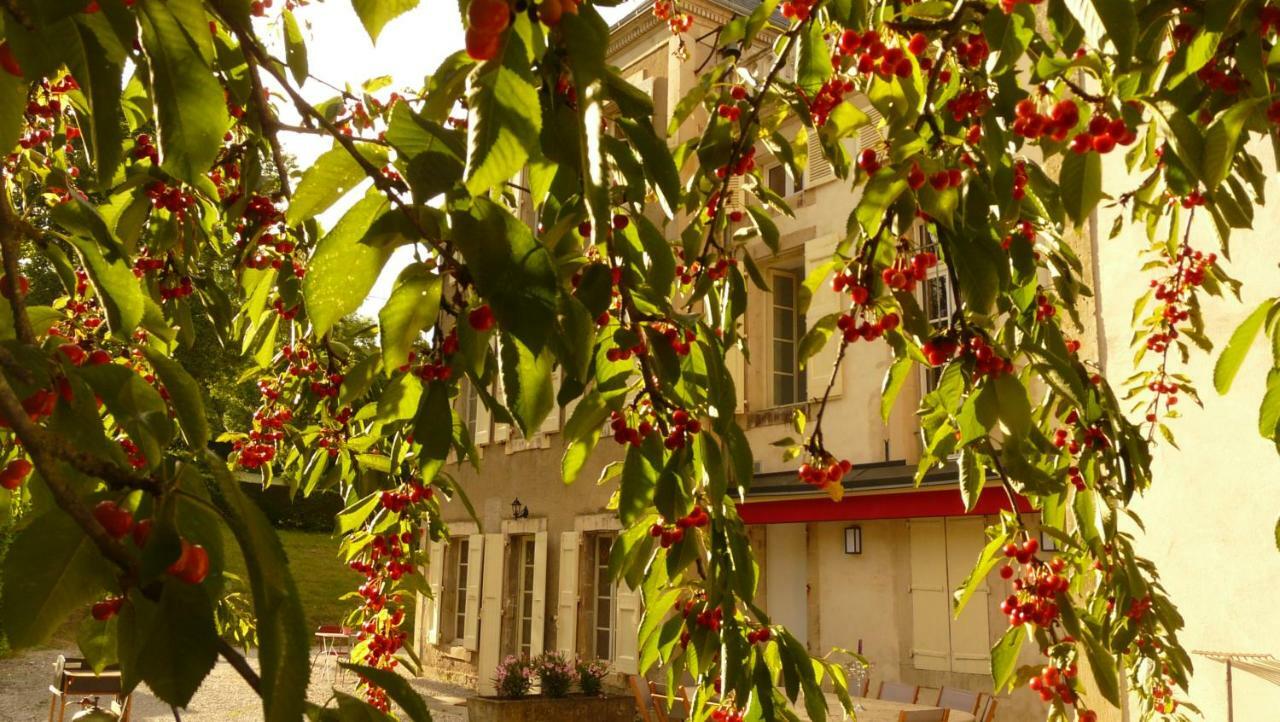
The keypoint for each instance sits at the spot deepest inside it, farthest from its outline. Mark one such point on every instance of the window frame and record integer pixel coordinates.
(526, 560)
(799, 376)
(930, 376)
(791, 185)
(460, 567)
(598, 548)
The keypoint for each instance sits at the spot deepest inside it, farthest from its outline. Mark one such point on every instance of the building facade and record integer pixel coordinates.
(873, 572)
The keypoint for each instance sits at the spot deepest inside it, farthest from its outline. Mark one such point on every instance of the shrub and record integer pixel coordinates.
(513, 677)
(591, 676)
(556, 674)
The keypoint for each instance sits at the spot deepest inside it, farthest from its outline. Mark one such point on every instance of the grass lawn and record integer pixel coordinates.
(319, 574)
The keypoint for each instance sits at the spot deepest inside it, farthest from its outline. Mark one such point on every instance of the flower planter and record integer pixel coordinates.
(608, 708)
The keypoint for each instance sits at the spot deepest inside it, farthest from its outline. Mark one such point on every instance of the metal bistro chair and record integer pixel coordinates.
(961, 700)
(644, 700)
(673, 709)
(74, 679)
(923, 715)
(335, 642)
(987, 706)
(898, 692)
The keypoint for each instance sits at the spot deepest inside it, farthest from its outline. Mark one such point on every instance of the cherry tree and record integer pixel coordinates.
(143, 161)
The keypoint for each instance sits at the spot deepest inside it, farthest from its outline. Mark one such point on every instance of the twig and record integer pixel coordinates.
(307, 130)
(9, 245)
(270, 125)
(910, 25)
(240, 665)
(19, 14)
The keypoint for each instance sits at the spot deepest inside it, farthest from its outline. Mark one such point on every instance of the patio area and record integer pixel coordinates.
(24, 694)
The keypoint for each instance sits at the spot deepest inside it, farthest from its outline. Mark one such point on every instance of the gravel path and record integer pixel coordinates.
(24, 693)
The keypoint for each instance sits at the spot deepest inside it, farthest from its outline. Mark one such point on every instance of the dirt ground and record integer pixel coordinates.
(25, 678)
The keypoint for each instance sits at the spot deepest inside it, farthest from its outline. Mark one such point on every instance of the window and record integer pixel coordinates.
(937, 299)
(941, 553)
(788, 380)
(470, 404)
(525, 561)
(461, 571)
(602, 595)
(781, 182)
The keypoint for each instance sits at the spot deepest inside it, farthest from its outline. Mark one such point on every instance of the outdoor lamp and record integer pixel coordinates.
(518, 510)
(853, 540)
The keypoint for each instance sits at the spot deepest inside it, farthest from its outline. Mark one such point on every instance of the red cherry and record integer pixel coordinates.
(8, 62)
(142, 532)
(115, 519)
(106, 609)
(197, 565)
(14, 473)
(180, 564)
(489, 17)
(481, 318)
(918, 44)
(99, 358)
(482, 46)
(74, 353)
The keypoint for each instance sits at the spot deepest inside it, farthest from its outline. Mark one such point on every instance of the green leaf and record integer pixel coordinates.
(282, 632)
(1015, 406)
(639, 479)
(112, 278)
(513, 272)
(526, 379)
(13, 99)
(191, 109)
(397, 688)
(433, 426)
(186, 395)
(816, 338)
(172, 645)
(505, 113)
(295, 48)
(1004, 657)
(134, 404)
(412, 307)
(51, 572)
(813, 60)
(658, 164)
(1237, 348)
(1221, 141)
(99, 73)
(332, 176)
(1269, 411)
(1104, 668)
(1081, 181)
(375, 14)
(343, 269)
(97, 642)
(972, 478)
(894, 380)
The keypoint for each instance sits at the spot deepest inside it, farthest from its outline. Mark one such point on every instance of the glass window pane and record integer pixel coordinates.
(784, 357)
(784, 290)
(783, 390)
(602, 645)
(778, 180)
(784, 323)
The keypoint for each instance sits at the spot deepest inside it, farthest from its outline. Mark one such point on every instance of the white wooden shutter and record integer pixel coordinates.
(626, 644)
(970, 635)
(819, 366)
(930, 598)
(490, 610)
(869, 135)
(551, 424)
(735, 200)
(435, 582)
(501, 431)
(537, 631)
(567, 599)
(483, 419)
(819, 167)
(475, 576)
(736, 363)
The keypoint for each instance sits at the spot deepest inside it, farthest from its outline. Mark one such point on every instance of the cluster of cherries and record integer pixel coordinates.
(1035, 591)
(624, 433)
(1029, 122)
(405, 495)
(759, 636)
(969, 104)
(1054, 682)
(688, 275)
(704, 615)
(855, 325)
(874, 57)
(798, 10)
(1229, 82)
(828, 98)
(144, 148)
(726, 714)
(939, 180)
(1026, 230)
(1045, 309)
(487, 20)
(1010, 5)
(680, 340)
(1103, 135)
(747, 162)
(1189, 269)
(1079, 436)
(668, 534)
(823, 472)
(679, 22)
(389, 557)
(905, 272)
(683, 426)
(14, 474)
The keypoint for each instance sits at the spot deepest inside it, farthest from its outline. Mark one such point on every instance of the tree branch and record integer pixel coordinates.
(11, 226)
(240, 665)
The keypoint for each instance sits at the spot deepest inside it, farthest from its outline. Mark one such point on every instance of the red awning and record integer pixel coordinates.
(905, 504)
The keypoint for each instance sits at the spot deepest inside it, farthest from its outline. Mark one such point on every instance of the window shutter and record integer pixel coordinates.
(625, 647)
(483, 421)
(819, 167)
(567, 601)
(435, 582)
(737, 366)
(501, 431)
(930, 600)
(825, 301)
(475, 563)
(735, 200)
(537, 632)
(970, 635)
(869, 134)
(551, 424)
(490, 610)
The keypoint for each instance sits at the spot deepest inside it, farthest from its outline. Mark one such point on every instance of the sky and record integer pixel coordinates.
(339, 52)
